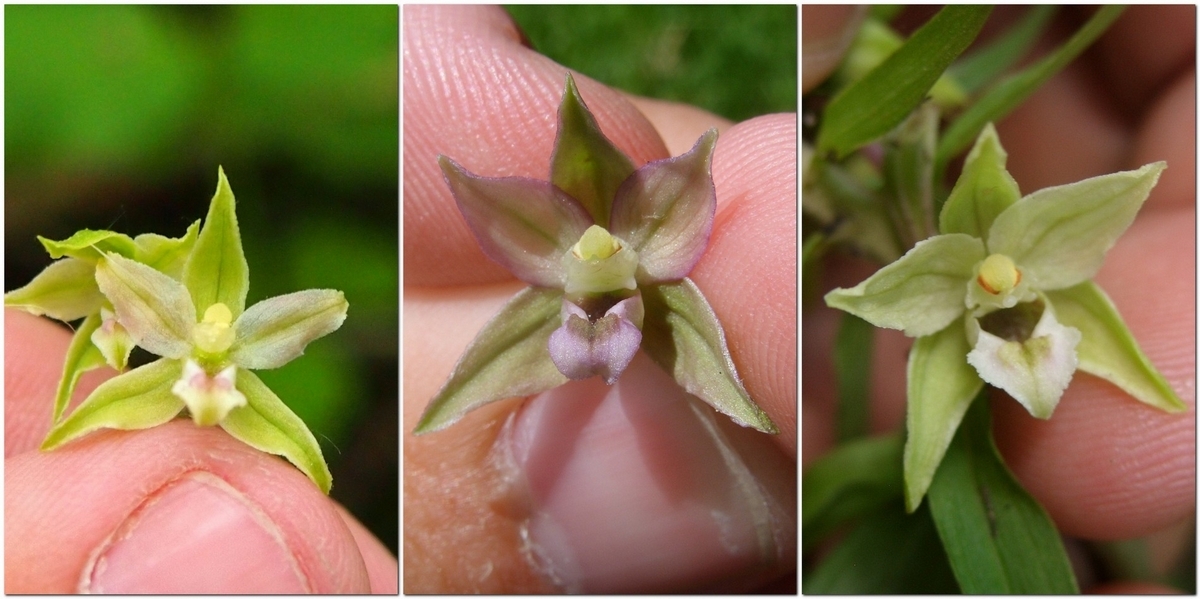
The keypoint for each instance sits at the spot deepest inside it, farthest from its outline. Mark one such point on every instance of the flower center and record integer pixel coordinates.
(213, 334)
(998, 274)
(599, 263)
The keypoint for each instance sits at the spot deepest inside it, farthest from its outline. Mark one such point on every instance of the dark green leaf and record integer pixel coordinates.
(852, 365)
(979, 67)
(884, 97)
(852, 480)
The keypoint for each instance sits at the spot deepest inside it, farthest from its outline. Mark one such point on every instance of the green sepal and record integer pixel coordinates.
(267, 424)
(216, 271)
(90, 246)
(510, 357)
(66, 290)
(165, 254)
(983, 191)
(82, 356)
(1108, 349)
(138, 399)
(922, 292)
(941, 385)
(275, 331)
(682, 334)
(584, 163)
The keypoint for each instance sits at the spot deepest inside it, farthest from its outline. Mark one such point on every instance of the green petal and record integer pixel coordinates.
(82, 356)
(140, 398)
(217, 272)
(584, 163)
(682, 334)
(983, 191)
(941, 386)
(153, 307)
(510, 357)
(920, 293)
(165, 254)
(268, 425)
(1059, 235)
(274, 332)
(1108, 350)
(90, 245)
(65, 290)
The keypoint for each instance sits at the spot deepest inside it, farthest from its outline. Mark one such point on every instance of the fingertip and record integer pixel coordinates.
(827, 33)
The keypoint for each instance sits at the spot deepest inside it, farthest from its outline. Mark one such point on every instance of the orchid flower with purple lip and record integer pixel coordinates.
(606, 249)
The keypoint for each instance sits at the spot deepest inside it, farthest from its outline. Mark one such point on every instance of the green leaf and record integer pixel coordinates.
(584, 163)
(154, 308)
(1013, 90)
(874, 43)
(922, 292)
(1058, 236)
(852, 366)
(267, 424)
(851, 481)
(1108, 350)
(977, 68)
(89, 245)
(140, 398)
(683, 336)
(65, 290)
(274, 332)
(165, 254)
(908, 175)
(999, 540)
(510, 357)
(216, 271)
(983, 191)
(82, 356)
(875, 104)
(941, 386)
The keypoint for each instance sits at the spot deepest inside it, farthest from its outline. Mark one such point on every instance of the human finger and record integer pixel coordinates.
(826, 34)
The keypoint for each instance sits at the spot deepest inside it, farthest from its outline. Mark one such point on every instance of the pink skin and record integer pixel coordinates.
(1104, 466)
(474, 93)
(62, 507)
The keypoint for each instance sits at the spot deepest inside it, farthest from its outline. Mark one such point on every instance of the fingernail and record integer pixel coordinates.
(638, 487)
(196, 535)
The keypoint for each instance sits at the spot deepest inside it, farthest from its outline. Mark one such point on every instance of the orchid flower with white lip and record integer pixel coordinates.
(209, 344)
(1003, 296)
(606, 249)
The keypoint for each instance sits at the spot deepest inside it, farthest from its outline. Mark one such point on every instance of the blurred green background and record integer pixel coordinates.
(116, 117)
(736, 61)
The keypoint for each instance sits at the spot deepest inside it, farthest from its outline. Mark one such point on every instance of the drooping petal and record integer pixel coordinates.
(274, 332)
(523, 224)
(1035, 371)
(216, 271)
(664, 211)
(983, 191)
(208, 398)
(65, 290)
(584, 163)
(153, 307)
(1059, 235)
(90, 246)
(581, 348)
(920, 293)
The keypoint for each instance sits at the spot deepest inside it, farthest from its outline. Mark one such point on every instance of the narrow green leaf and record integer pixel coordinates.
(274, 332)
(852, 366)
(140, 398)
(216, 271)
(875, 104)
(165, 254)
(999, 540)
(82, 356)
(941, 386)
(982, 192)
(1107, 348)
(682, 334)
(1012, 91)
(979, 67)
(267, 424)
(908, 175)
(584, 163)
(65, 290)
(89, 245)
(852, 480)
(153, 307)
(510, 357)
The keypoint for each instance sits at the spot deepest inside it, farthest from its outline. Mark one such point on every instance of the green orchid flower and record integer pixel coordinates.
(1003, 296)
(209, 343)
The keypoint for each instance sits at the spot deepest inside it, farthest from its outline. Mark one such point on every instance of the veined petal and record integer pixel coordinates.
(153, 307)
(1059, 235)
(1035, 371)
(274, 332)
(665, 209)
(65, 290)
(208, 398)
(920, 293)
(983, 191)
(216, 271)
(581, 348)
(523, 224)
